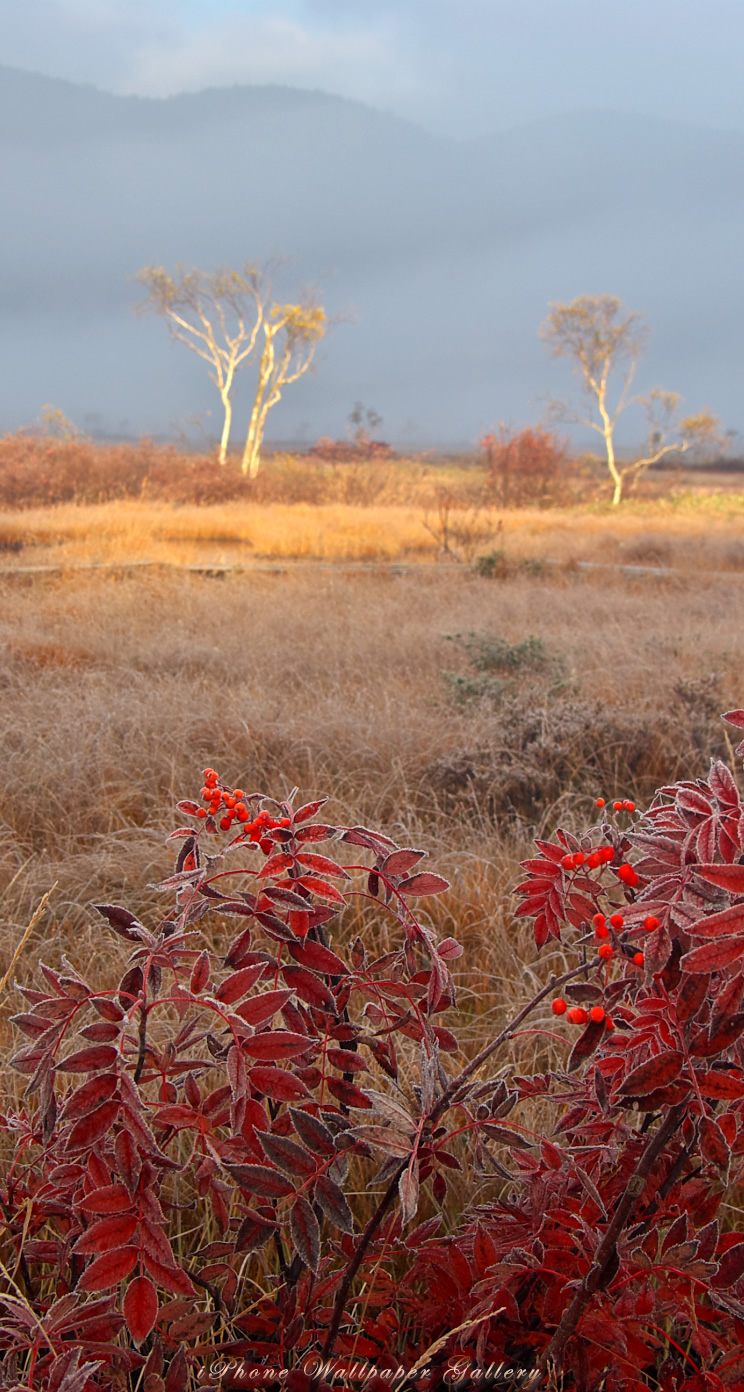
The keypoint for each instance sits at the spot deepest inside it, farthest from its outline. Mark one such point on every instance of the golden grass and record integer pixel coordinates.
(691, 532)
(116, 694)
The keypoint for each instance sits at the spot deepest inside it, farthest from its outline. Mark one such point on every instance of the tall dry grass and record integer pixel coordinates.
(117, 692)
(693, 533)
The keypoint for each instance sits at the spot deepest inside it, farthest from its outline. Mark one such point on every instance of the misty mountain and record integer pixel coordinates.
(448, 250)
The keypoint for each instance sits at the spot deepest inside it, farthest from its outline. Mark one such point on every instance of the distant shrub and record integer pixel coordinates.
(523, 468)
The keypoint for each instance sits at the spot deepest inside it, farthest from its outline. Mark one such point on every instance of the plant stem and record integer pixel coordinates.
(358, 1256)
(606, 1249)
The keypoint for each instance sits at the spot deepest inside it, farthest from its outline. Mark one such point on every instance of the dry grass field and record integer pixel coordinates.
(459, 714)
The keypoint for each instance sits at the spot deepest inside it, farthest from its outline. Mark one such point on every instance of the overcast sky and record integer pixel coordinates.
(457, 66)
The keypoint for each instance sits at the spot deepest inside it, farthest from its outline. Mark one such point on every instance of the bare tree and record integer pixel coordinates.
(605, 342)
(217, 315)
(291, 335)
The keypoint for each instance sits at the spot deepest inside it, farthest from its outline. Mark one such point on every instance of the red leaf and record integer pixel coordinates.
(240, 983)
(177, 1377)
(107, 1008)
(140, 1308)
(305, 1233)
(90, 1060)
(200, 974)
(123, 922)
(190, 809)
(730, 1267)
(168, 1277)
(263, 1007)
(90, 1129)
(713, 1144)
(113, 1231)
(321, 887)
(322, 864)
(449, 948)
(735, 717)
(318, 958)
(400, 862)
(277, 1084)
(276, 1044)
(89, 1096)
(720, 1085)
(127, 1160)
(730, 877)
(333, 1202)
(290, 1157)
(109, 1269)
(704, 1046)
(586, 1043)
(719, 924)
(348, 1093)
(309, 810)
(426, 883)
(655, 1073)
(713, 955)
(318, 832)
(112, 1198)
(262, 1181)
(253, 1233)
(315, 1135)
(693, 990)
(384, 1138)
(346, 1060)
(309, 988)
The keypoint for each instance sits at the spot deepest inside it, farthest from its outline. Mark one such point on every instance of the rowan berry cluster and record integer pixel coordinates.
(625, 806)
(230, 802)
(577, 1015)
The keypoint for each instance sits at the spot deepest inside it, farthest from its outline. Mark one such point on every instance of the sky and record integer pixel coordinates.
(457, 67)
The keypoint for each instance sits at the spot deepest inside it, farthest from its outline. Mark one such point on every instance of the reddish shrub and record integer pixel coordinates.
(179, 1186)
(523, 468)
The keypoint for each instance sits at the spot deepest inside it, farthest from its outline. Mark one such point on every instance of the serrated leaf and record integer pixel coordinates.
(332, 1200)
(425, 883)
(312, 1132)
(305, 1233)
(287, 1155)
(89, 1060)
(657, 1072)
(261, 1180)
(408, 1191)
(730, 877)
(714, 955)
(276, 1044)
(109, 1269)
(384, 1138)
(140, 1308)
(89, 1096)
(277, 1083)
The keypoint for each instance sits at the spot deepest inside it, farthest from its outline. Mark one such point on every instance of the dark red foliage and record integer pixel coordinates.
(180, 1184)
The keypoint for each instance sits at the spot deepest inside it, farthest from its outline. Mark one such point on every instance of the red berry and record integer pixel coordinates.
(600, 802)
(559, 1006)
(568, 862)
(638, 959)
(202, 812)
(605, 952)
(609, 1024)
(650, 923)
(577, 1015)
(607, 853)
(616, 920)
(629, 806)
(598, 920)
(238, 794)
(602, 932)
(226, 823)
(579, 858)
(594, 860)
(597, 1014)
(617, 806)
(628, 875)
